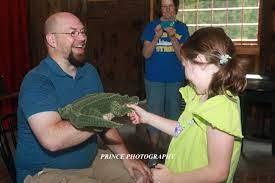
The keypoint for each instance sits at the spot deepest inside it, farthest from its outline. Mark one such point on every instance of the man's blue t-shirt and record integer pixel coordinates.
(163, 65)
(46, 88)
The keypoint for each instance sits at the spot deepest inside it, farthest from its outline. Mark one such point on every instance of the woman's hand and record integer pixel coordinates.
(138, 115)
(158, 31)
(170, 31)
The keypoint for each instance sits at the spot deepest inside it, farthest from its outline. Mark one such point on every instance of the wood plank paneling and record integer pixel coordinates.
(114, 29)
(38, 11)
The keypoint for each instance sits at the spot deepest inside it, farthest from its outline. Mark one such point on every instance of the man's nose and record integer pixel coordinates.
(81, 37)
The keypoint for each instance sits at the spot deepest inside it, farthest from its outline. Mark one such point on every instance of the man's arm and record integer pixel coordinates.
(55, 134)
(116, 144)
(114, 141)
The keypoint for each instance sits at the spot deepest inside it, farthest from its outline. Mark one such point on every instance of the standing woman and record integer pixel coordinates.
(164, 74)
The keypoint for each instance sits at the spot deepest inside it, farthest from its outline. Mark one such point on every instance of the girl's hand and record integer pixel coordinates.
(138, 115)
(161, 174)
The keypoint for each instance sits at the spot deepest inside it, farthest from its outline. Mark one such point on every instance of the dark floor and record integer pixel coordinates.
(256, 164)
(4, 176)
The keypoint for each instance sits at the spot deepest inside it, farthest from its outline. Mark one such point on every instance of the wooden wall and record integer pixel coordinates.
(37, 14)
(266, 38)
(272, 30)
(114, 43)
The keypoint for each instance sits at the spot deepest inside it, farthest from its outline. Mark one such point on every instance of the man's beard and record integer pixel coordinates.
(77, 60)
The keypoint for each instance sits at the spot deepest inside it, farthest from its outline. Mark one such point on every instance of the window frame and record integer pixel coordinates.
(238, 43)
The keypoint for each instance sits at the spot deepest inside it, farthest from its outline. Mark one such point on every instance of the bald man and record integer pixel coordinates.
(47, 141)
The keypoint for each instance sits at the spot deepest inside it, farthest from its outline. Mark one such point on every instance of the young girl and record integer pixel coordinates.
(207, 136)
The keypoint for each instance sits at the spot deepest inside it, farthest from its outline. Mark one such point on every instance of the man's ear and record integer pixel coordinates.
(50, 38)
(201, 59)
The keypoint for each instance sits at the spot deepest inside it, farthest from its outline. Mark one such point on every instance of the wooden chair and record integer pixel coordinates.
(8, 141)
(260, 90)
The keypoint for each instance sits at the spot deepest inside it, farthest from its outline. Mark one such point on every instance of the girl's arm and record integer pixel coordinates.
(220, 148)
(139, 115)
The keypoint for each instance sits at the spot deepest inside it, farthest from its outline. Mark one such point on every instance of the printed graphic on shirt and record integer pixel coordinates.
(164, 43)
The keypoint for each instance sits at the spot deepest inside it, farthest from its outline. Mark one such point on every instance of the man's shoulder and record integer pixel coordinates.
(88, 67)
(41, 70)
(41, 67)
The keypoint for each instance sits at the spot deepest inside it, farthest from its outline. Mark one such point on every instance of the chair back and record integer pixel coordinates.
(8, 141)
(2, 88)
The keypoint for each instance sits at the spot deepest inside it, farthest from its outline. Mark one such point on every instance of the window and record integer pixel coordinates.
(239, 18)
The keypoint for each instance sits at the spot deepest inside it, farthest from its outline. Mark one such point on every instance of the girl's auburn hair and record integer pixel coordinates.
(212, 42)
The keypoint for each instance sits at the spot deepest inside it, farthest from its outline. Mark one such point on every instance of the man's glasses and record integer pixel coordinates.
(74, 33)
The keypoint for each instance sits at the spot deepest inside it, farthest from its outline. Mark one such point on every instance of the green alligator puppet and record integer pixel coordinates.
(97, 110)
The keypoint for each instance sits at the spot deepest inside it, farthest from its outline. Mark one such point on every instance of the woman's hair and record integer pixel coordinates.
(218, 49)
(158, 9)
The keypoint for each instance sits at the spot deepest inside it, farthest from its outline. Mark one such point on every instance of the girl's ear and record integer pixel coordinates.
(182, 60)
(201, 59)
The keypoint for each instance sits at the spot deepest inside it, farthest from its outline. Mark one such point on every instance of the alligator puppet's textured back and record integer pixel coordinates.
(96, 110)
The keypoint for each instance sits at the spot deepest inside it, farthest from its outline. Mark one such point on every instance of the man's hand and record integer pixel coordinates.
(161, 174)
(138, 170)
